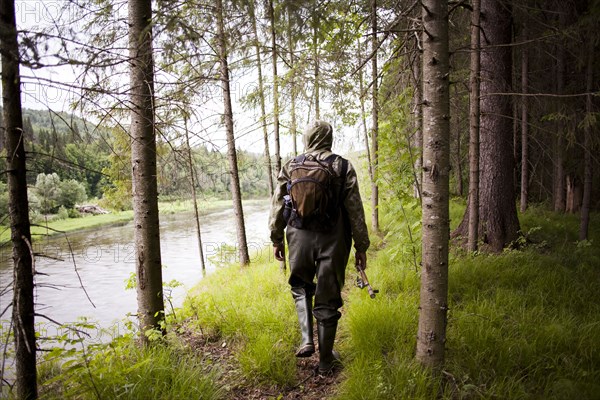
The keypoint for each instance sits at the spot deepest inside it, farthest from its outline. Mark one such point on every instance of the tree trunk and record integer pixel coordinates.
(363, 116)
(316, 86)
(231, 152)
(473, 206)
(143, 160)
(275, 87)
(459, 173)
(431, 335)
(194, 197)
(559, 169)
(263, 113)
(293, 91)
(375, 116)
(498, 222)
(23, 301)
(587, 146)
(418, 121)
(524, 126)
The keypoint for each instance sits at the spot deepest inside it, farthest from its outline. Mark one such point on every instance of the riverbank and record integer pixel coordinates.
(522, 324)
(88, 222)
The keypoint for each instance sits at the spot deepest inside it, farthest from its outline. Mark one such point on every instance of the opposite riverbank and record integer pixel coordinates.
(86, 222)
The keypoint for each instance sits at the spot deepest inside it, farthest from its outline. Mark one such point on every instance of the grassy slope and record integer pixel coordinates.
(523, 324)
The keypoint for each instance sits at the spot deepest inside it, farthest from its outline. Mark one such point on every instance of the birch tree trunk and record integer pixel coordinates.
(375, 117)
(236, 193)
(473, 234)
(143, 163)
(433, 303)
(23, 318)
(263, 113)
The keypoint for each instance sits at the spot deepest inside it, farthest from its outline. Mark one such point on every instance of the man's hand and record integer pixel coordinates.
(279, 251)
(361, 260)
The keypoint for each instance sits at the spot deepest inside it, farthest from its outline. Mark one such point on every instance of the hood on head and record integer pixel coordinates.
(318, 135)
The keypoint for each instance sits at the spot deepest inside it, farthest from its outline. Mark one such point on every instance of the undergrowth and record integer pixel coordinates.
(521, 325)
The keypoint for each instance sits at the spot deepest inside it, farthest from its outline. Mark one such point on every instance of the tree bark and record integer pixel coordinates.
(559, 169)
(433, 307)
(524, 125)
(363, 117)
(263, 113)
(473, 206)
(498, 221)
(375, 117)
(275, 87)
(316, 85)
(459, 173)
(236, 193)
(143, 160)
(587, 146)
(194, 197)
(23, 319)
(293, 91)
(418, 126)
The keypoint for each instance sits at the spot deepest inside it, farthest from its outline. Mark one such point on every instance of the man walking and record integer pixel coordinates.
(317, 198)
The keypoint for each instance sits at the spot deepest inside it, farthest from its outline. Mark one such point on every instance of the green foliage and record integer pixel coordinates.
(522, 324)
(47, 189)
(71, 193)
(123, 369)
(50, 194)
(3, 202)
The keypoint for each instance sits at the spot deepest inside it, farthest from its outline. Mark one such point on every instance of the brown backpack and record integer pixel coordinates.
(314, 190)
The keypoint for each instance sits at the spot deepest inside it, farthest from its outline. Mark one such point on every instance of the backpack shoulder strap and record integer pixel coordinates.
(344, 171)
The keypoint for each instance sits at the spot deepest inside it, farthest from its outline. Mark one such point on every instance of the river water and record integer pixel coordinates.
(101, 261)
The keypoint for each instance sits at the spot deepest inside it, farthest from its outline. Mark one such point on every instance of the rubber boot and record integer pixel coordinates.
(328, 358)
(305, 318)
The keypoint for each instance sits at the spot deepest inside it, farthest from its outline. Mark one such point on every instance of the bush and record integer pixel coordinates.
(47, 188)
(62, 213)
(71, 193)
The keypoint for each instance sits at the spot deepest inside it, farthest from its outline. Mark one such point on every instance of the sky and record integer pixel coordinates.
(47, 89)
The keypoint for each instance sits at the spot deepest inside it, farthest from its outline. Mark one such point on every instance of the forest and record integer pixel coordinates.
(473, 127)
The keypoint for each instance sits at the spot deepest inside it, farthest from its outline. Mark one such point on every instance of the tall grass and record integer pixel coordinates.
(522, 325)
(125, 370)
(253, 309)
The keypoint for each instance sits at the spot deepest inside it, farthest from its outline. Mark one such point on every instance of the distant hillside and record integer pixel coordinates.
(60, 122)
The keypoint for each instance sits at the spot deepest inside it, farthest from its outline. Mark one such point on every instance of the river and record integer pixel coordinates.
(102, 261)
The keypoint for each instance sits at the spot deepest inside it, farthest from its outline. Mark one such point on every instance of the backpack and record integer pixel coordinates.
(314, 193)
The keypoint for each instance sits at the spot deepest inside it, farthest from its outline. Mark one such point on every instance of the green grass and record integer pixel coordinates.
(523, 324)
(252, 308)
(125, 370)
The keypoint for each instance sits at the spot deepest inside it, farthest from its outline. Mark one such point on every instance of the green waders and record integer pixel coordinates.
(320, 255)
